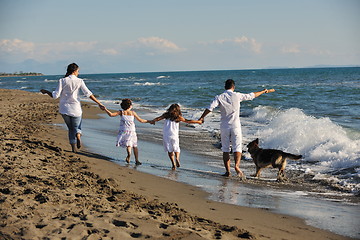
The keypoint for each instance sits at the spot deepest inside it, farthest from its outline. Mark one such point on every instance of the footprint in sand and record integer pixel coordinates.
(164, 226)
(136, 235)
(41, 198)
(120, 223)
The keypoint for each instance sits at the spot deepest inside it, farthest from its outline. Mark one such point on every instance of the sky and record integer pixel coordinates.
(116, 36)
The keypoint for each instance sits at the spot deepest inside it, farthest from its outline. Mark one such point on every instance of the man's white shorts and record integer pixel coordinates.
(231, 137)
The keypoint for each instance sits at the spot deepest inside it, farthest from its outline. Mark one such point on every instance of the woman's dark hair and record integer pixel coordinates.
(71, 69)
(126, 104)
(173, 113)
(229, 84)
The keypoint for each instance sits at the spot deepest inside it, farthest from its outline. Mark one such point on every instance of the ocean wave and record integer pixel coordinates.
(329, 152)
(325, 146)
(149, 84)
(159, 77)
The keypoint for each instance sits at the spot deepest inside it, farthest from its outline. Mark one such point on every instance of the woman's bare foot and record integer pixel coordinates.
(78, 140)
(177, 163)
(127, 159)
(73, 148)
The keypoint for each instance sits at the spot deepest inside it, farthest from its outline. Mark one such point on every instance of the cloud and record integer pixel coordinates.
(154, 46)
(244, 42)
(319, 52)
(61, 50)
(109, 52)
(16, 46)
(19, 50)
(294, 48)
(69, 46)
(305, 50)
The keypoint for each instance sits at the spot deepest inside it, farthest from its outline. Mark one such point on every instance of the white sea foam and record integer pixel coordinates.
(159, 77)
(326, 148)
(319, 139)
(149, 84)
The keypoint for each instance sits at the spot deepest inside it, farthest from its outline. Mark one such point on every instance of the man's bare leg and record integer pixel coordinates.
(226, 159)
(237, 158)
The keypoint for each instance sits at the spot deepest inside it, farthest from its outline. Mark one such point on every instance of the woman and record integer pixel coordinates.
(70, 106)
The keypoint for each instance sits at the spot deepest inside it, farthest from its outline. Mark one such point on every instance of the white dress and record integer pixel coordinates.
(127, 132)
(171, 136)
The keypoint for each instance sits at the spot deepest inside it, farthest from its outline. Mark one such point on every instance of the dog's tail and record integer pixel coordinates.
(293, 156)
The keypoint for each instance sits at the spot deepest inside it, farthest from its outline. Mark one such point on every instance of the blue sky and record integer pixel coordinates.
(168, 35)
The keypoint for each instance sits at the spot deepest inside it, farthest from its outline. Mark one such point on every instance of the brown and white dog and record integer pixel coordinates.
(269, 157)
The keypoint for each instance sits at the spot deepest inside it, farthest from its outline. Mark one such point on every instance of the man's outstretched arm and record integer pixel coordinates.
(257, 94)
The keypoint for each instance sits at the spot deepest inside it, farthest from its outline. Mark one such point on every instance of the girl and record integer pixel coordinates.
(127, 134)
(172, 118)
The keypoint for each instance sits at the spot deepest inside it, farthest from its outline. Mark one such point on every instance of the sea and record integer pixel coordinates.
(314, 112)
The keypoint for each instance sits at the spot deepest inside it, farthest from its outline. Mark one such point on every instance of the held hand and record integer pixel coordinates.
(152, 122)
(102, 107)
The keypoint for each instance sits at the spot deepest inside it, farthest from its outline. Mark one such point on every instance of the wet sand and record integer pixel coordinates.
(320, 205)
(46, 191)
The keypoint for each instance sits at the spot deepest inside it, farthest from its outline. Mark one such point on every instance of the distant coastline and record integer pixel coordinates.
(20, 74)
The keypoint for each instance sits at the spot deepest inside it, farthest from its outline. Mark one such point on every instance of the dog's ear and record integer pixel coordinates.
(257, 141)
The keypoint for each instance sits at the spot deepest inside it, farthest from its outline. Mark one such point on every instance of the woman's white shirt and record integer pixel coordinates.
(68, 91)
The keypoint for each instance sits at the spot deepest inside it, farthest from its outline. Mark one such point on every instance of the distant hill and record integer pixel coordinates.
(313, 66)
(20, 74)
(332, 66)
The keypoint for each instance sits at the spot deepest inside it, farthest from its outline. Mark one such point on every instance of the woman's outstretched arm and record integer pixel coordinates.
(43, 91)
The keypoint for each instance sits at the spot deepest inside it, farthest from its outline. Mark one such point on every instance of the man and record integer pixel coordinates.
(230, 127)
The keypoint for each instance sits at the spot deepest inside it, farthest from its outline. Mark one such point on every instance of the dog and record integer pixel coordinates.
(269, 157)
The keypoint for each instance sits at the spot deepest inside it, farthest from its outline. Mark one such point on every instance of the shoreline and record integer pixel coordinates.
(51, 192)
(196, 141)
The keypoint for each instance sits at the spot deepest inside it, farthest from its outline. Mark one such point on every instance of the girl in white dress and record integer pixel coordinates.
(127, 137)
(172, 118)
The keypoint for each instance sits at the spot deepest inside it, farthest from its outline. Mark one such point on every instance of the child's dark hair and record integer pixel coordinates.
(173, 113)
(126, 104)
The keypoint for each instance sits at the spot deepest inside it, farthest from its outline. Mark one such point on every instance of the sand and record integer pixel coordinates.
(48, 192)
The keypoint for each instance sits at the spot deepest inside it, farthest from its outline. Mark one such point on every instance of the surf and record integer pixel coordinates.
(327, 148)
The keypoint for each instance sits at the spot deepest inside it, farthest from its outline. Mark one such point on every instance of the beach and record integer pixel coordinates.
(48, 192)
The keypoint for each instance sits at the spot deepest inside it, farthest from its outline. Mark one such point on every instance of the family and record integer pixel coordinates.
(229, 103)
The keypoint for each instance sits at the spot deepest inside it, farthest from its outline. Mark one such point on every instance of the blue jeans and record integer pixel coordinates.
(74, 126)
